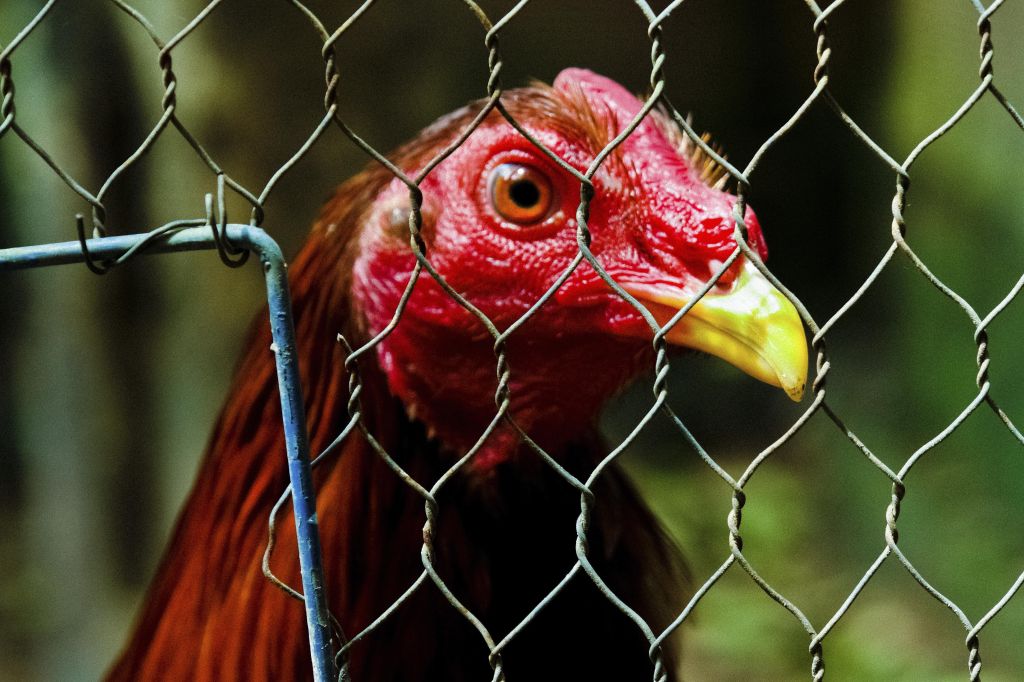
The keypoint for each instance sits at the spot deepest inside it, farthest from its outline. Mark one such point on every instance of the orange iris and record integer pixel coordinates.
(520, 193)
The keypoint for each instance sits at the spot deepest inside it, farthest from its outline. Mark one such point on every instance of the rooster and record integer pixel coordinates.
(499, 223)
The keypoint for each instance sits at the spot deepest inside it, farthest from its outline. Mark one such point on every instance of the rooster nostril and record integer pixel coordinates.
(726, 279)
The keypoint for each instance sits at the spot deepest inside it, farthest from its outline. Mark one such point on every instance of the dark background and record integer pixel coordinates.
(109, 386)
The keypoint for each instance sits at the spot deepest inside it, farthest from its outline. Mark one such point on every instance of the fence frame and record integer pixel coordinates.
(293, 412)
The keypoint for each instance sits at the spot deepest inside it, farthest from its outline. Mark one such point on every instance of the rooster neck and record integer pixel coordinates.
(502, 541)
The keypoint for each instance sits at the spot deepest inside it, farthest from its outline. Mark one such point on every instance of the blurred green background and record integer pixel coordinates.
(109, 386)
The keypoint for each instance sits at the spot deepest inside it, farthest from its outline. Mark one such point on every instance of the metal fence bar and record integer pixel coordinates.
(292, 410)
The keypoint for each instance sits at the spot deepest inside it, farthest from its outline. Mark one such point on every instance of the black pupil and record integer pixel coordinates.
(524, 193)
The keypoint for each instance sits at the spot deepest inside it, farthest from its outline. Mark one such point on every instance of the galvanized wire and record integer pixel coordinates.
(742, 180)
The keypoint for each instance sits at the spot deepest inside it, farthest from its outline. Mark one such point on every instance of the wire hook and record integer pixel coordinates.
(98, 267)
(230, 255)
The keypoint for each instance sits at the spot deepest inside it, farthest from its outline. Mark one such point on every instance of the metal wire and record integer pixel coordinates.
(743, 180)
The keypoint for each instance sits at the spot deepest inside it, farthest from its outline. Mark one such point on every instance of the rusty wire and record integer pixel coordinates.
(742, 180)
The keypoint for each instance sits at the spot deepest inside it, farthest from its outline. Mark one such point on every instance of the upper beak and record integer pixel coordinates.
(753, 327)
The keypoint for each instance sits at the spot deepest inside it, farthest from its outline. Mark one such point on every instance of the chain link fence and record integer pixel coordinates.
(212, 230)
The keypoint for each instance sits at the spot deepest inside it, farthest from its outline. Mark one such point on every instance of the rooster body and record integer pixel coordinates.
(499, 225)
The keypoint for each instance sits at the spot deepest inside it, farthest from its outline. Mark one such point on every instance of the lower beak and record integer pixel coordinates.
(753, 327)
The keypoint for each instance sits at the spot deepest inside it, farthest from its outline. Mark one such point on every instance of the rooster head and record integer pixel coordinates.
(499, 221)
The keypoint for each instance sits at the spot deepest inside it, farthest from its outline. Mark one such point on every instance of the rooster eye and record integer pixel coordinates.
(521, 194)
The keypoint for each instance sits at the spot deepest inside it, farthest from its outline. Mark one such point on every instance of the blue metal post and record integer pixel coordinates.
(292, 409)
(293, 412)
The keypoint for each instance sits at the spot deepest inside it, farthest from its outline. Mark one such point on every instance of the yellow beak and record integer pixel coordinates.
(753, 327)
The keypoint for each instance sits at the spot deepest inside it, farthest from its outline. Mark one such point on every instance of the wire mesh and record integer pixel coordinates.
(326, 661)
